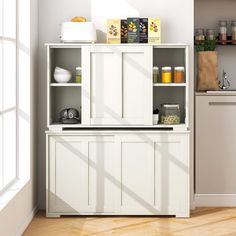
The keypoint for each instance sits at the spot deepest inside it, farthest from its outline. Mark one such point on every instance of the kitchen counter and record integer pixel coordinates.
(217, 93)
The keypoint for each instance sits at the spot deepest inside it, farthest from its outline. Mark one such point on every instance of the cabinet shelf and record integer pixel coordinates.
(169, 84)
(218, 42)
(65, 85)
(170, 126)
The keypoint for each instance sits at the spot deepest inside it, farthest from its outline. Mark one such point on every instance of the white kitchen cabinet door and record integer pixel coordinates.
(215, 145)
(137, 86)
(172, 174)
(84, 175)
(137, 175)
(155, 174)
(120, 86)
(104, 175)
(68, 175)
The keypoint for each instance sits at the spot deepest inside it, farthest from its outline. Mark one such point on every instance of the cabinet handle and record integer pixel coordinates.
(222, 103)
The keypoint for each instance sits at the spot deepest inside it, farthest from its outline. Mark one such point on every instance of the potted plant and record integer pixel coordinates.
(207, 66)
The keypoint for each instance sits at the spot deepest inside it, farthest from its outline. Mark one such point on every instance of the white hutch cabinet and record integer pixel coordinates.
(116, 162)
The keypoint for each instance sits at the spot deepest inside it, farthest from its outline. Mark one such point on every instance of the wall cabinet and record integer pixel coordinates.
(122, 172)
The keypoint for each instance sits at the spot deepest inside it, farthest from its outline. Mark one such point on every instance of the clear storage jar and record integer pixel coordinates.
(166, 75)
(233, 31)
(156, 74)
(170, 114)
(78, 75)
(179, 74)
(223, 31)
(199, 35)
(211, 34)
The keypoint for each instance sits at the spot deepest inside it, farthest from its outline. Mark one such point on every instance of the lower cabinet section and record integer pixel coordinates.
(117, 173)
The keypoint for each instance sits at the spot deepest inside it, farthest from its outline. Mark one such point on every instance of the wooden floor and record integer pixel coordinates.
(203, 221)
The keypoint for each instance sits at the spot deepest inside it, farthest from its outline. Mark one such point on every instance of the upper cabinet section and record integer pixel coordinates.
(114, 85)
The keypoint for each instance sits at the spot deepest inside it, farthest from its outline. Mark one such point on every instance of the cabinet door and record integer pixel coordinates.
(155, 174)
(172, 174)
(83, 174)
(120, 86)
(67, 175)
(136, 82)
(215, 144)
(104, 86)
(137, 175)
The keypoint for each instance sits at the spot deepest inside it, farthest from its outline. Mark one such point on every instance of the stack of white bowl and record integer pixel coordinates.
(61, 75)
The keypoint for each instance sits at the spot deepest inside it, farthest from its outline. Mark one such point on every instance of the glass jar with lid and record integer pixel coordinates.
(223, 31)
(179, 74)
(211, 34)
(199, 35)
(156, 74)
(233, 31)
(170, 114)
(78, 75)
(166, 75)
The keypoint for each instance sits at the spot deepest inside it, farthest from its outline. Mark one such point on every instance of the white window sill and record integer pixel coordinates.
(11, 192)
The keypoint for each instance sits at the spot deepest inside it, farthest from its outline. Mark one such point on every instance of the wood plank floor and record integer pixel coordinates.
(203, 221)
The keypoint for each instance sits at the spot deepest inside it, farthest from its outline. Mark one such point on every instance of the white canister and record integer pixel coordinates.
(155, 119)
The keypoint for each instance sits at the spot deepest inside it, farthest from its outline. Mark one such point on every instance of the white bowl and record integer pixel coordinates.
(62, 77)
(61, 70)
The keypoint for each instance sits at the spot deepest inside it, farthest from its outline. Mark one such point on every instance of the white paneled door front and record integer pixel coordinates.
(84, 174)
(139, 173)
(118, 84)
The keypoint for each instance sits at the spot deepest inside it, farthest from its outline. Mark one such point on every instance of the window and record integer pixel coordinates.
(14, 90)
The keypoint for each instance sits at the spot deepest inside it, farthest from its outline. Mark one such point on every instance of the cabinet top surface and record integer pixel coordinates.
(113, 132)
(165, 45)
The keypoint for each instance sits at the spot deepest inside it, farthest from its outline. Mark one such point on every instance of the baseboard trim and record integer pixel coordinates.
(215, 200)
(25, 223)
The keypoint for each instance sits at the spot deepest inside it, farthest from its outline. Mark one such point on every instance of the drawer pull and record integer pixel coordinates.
(222, 103)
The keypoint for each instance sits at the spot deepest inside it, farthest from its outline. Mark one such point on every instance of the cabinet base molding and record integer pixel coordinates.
(58, 215)
(215, 200)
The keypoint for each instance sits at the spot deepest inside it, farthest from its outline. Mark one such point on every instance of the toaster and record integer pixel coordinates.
(78, 32)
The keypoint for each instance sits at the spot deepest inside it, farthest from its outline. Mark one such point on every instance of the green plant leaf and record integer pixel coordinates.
(207, 45)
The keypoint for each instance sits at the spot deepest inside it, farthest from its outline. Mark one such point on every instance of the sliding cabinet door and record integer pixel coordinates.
(117, 88)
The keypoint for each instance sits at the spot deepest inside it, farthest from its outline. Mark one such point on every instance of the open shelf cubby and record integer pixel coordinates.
(62, 98)
(63, 95)
(66, 58)
(168, 57)
(171, 93)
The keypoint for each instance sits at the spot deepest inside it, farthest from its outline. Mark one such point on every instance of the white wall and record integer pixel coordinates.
(177, 26)
(15, 215)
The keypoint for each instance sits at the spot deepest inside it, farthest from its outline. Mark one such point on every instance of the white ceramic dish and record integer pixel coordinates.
(62, 77)
(61, 70)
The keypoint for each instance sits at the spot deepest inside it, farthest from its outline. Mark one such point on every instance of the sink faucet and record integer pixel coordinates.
(224, 83)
